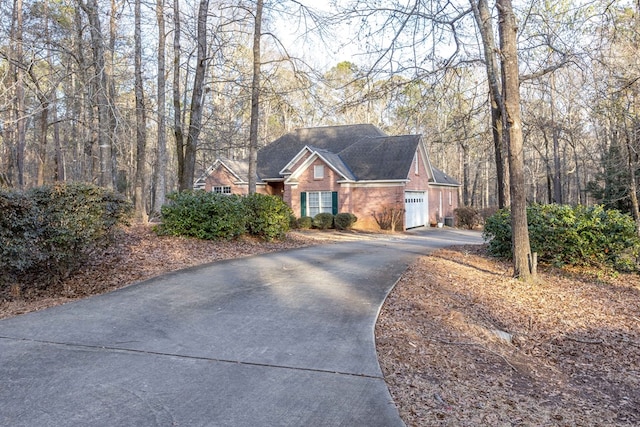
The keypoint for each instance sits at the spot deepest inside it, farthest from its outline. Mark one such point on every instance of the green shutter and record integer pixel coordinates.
(334, 202)
(303, 204)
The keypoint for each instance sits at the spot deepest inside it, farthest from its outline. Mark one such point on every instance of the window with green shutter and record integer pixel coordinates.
(314, 202)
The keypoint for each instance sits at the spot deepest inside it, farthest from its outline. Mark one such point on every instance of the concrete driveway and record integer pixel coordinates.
(284, 339)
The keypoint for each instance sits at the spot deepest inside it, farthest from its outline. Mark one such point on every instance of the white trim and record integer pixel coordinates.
(214, 167)
(308, 162)
(390, 183)
(426, 161)
(295, 160)
(416, 211)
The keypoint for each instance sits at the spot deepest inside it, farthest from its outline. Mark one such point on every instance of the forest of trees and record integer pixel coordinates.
(142, 96)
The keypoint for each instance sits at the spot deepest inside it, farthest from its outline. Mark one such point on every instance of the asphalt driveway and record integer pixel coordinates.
(283, 339)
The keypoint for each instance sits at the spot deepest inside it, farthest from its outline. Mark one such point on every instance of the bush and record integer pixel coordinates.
(267, 216)
(80, 220)
(390, 218)
(305, 222)
(214, 216)
(19, 235)
(344, 220)
(467, 217)
(563, 235)
(323, 221)
(50, 231)
(204, 215)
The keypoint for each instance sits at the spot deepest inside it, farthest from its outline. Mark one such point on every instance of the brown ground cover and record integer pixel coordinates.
(459, 341)
(140, 254)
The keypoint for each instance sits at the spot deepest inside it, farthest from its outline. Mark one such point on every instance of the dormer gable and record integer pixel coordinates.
(307, 156)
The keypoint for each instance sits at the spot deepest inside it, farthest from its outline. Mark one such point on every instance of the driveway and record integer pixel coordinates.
(283, 339)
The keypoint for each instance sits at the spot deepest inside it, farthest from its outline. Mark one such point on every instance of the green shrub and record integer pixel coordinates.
(344, 220)
(563, 235)
(19, 235)
(80, 219)
(323, 221)
(50, 231)
(304, 222)
(204, 215)
(467, 217)
(266, 216)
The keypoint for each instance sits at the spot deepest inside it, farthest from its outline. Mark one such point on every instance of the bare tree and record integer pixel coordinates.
(177, 110)
(141, 122)
(17, 66)
(255, 98)
(161, 153)
(195, 120)
(482, 15)
(101, 85)
(523, 264)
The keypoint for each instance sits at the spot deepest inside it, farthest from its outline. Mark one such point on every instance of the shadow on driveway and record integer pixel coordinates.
(282, 339)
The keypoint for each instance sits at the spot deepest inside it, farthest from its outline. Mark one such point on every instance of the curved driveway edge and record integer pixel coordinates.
(282, 339)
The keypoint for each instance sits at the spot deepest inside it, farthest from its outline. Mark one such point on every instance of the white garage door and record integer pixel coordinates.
(415, 205)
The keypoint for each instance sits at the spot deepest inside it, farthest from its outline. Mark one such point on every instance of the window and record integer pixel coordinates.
(315, 202)
(222, 189)
(318, 171)
(415, 161)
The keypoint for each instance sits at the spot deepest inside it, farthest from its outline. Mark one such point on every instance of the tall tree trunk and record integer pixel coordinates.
(161, 153)
(482, 16)
(44, 128)
(633, 186)
(177, 111)
(81, 106)
(523, 265)
(255, 100)
(101, 86)
(20, 116)
(557, 177)
(60, 174)
(111, 94)
(195, 121)
(141, 122)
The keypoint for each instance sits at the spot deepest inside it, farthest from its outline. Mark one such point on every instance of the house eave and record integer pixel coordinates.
(374, 183)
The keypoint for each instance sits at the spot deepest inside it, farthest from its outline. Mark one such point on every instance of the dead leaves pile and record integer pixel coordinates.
(139, 255)
(461, 343)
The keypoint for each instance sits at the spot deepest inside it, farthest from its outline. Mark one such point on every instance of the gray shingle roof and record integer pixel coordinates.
(359, 152)
(275, 156)
(382, 157)
(439, 177)
(336, 161)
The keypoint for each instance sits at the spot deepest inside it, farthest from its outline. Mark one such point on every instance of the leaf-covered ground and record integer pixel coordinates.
(460, 342)
(140, 254)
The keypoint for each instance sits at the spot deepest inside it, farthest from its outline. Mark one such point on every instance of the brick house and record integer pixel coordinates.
(352, 168)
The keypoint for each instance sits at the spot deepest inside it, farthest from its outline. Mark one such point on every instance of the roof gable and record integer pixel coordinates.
(382, 158)
(355, 152)
(330, 159)
(441, 178)
(273, 158)
(238, 168)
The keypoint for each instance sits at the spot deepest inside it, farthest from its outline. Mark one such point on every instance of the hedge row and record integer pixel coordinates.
(324, 221)
(49, 232)
(566, 235)
(214, 216)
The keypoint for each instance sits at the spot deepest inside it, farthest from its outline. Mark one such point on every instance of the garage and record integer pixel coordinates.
(415, 206)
